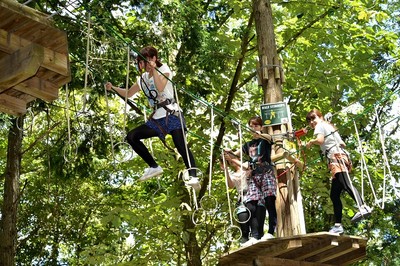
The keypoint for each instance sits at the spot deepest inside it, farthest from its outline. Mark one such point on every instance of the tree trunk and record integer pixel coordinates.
(8, 223)
(270, 78)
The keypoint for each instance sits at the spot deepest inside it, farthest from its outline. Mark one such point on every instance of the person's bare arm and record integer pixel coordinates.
(123, 92)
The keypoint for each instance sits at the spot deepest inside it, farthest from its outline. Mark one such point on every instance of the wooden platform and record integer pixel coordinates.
(310, 249)
(34, 59)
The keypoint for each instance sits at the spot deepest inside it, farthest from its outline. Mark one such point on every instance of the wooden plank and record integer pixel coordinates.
(268, 261)
(20, 65)
(39, 89)
(54, 61)
(32, 25)
(10, 43)
(12, 6)
(340, 250)
(12, 105)
(315, 248)
(310, 249)
(350, 258)
(281, 248)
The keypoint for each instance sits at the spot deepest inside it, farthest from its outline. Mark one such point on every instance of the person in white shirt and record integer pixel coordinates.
(155, 82)
(339, 164)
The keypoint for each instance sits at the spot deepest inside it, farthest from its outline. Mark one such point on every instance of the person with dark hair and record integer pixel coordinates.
(262, 195)
(259, 151)
(339, 164)
(167, 118)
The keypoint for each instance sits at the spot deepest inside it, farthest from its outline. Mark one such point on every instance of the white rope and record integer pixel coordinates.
(86, 63)
(211, 150)
(67, 113)
(71, 149)
(149, 139)
(227, 187)
(242, 177)
(109, 122)
(126, 91)
(241, 164)
(182, 125)
(364, 165)
(385, 159)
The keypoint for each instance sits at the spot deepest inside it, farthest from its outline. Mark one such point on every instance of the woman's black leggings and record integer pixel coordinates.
(272, 215)
(135, 136)
(252, 223)
(339, 183)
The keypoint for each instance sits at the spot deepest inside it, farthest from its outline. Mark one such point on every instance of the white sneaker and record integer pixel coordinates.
(250, 242)
(267, 236)
(365, 212)
(337, 229)
(194, 183)
(151, 172)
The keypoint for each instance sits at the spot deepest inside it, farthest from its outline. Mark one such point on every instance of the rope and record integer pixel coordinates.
(181, 121)
(109, 122)
(227, 188)
(364, 165)
(86, 63)
(391, 120)
(150, 139)
(211, 151)
(67, 112)
(385, 160)
(126, 89)
(287, 170)
(241, 164)
(220, 112)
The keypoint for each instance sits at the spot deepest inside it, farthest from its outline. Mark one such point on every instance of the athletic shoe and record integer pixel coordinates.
(243, 240)
(194, 183)
(365, 212)
(250, 242)
(151, 172)
(337, 229)
(267, 236)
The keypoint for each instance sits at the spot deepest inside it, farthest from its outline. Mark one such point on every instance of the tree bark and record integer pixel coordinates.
(8, 223)
(270, 74)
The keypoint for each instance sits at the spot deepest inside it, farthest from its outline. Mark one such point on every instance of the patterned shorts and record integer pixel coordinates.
(166, 125)
(339, 163)
(266, 182)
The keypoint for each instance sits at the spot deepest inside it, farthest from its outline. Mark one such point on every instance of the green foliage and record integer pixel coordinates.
(81, 207)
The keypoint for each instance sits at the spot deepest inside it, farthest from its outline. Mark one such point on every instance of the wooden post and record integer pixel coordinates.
(288, 203)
